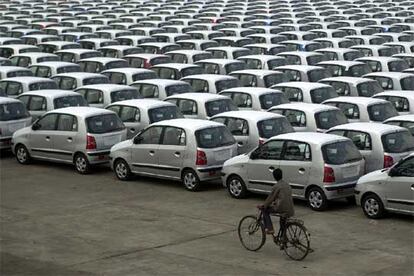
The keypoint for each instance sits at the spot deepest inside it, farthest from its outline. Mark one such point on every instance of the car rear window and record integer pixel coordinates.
(13, 111)
(397, 142)
(164, 113)
(330, 118)
(104, 123)
(97, 80)
(43, 85)
(178, 89)
(69, 101)
(272, 127)
(192, 71)
(382, 111)
(397, 66)
(123, 95)
(226, 84)
(219, 106)
(407, 83)
(272, 99)
(275, 79)
(214, 137)
(318, 74)
(341, 152)
(322, 94)
(235, 66)
(21, 73)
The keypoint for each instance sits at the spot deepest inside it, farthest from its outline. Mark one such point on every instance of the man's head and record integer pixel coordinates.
(277, 174)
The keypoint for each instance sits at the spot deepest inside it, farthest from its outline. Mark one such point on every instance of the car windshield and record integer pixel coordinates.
(164, 113)
(397, 66)
(219, 106)
(273, 79)
(386, 52)
(382, 111)
(272, 99)
(272, 127)
(43, 85)
(178, 89)
(397, 142)
(123, 95)
(67, 101)
(319, 95)
(330, 118)
(234, 66)
(191, 71)
(214, 137)
(97, 80)
(104, 123)
(21, 73)
(369, 88)
(339, 153)
(226, 84)
(68, 69)
(116, 64)
(273, 63)
(353, 55)
(143, 76)
(201, 56)
(359, 70)
(13, 111)
(312, 60)
(407, 83)
(318, 74)
(346, 44)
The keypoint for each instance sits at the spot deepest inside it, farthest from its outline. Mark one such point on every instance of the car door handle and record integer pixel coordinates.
(70, 139)
(152, 153)
(412, 187)
(132, 130)
(47, 138)
(177, 154)
(240, 144)
(271, 168)
(301, 170)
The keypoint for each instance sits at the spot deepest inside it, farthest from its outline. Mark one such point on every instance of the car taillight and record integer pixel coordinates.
(147, 64)
(90, 142)
(328, 175)
(201, 158)
(388, 161)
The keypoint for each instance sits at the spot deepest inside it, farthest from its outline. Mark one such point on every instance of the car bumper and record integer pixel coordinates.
(209, 173)
(5, 142)
(339, 190)
(98, 157)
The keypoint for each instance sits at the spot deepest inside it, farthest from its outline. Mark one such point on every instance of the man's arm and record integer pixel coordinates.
(272, 197)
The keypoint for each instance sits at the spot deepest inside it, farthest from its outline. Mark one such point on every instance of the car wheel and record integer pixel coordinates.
(372, 206)
(317, 199)
(236, 187)
(122, 170)
(191, 181)
(82, 164)
(22, 155)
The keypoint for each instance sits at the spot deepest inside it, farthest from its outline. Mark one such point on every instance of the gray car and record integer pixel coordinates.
(319, 167)
(81, 136)
(13, 116)
(188, 149)
(387, 190)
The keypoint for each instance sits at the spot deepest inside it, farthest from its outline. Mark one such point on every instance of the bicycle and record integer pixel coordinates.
(294, 240)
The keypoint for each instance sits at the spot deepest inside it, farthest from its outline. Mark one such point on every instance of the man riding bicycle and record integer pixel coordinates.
(279, 201)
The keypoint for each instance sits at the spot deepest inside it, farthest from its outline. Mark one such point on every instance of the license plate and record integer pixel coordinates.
(350, 172)
(112, 140)
(222, 155)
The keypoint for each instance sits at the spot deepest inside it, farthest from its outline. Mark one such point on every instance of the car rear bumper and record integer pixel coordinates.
(339, 190)
(209, 173)
(98, 157)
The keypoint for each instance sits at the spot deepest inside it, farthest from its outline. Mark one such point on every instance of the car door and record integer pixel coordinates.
(261, 164)
(296, 164)
(41, 143)
(145, 154)
(400, 186)
(65, 137)
(239, 128)
(172, 152)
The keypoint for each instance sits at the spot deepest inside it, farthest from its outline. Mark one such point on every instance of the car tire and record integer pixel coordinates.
(236, 187)
(122, 170)
(190, 180)
(82, 165)
(22, 155)
(351, 200)
(317, 199)
(372, 206)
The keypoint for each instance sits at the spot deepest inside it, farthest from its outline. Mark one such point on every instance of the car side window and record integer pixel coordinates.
(351, 111)
(406, 168)
(94, 96)
(199, 85)
(37, 103)
(296, 118)
(293, 94)
(174, 136)
(386, 83)
(149, 91)
(67, 83)
(272, 150)
(187, 107)
(292, 75)
(14, 88)
(241, 100)
(238, 127)
(129, 114)
(151, 135)
(43, 72)
(48, 122)
(67, 123)
(297, 151)
(361, 140)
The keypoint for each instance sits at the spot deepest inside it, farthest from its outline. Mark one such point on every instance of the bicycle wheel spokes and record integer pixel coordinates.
(251, 233)
(297, 241)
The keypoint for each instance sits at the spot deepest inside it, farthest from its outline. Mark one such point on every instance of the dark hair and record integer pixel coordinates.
(277, 174)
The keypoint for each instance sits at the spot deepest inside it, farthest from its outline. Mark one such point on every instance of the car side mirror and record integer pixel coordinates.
(255, 154)
(394, 172)
(36, 126)
(138, 139)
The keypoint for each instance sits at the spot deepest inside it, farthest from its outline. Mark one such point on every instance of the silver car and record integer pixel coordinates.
(186, 149)
(81, 136)
(138, 114)
(101, 95)
(387, 190)
(253, 128)
(13, 116)
(318, 166)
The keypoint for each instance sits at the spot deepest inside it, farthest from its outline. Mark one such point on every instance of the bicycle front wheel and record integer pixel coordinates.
(297, 240)
(251, 233)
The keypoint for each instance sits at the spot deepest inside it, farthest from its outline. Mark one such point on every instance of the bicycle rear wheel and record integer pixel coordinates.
(297, 240)
(251, 233)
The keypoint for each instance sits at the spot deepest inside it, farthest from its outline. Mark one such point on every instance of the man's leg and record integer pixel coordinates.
(267, 221)
(282, 230)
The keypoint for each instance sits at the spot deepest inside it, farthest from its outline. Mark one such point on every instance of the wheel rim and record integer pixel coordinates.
(21, 155)
(315, 199)
(190, 181)
(235, 187)
(251, 233)
(81, 164)
(297, 242)
(371, 206)
(121, 170)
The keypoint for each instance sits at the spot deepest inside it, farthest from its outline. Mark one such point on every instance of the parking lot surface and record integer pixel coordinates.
(56, 222)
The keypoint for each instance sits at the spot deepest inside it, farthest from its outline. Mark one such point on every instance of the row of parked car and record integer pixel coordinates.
(228, 95)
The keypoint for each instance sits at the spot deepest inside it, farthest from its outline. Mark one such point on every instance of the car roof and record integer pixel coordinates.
(7, 69)
(82, 111)
(310, 137)
(401, 93)
(4, 100)
(356, 100)
(346, 63)
(35, 54)
(302, 85)
(210, 77)
(308, 107)
(162, 82)
(27, 79)
(199, 96)
(261, 57)
(407, 117)
(305, 68)
(222, 61)
(377, 128)
(397, 75)
(76, 50)
(353, 80)
(178, 66)
(79, 75)
(252, 90)
(336, 50)
(385, 59)
(107, 87)
(256, 72)
(128, 70)
(54, 64)
(145, 55)
(51, 93)
(189, 124)
(143, 103)
(250, 115)
(300, 53)
(101, 59)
